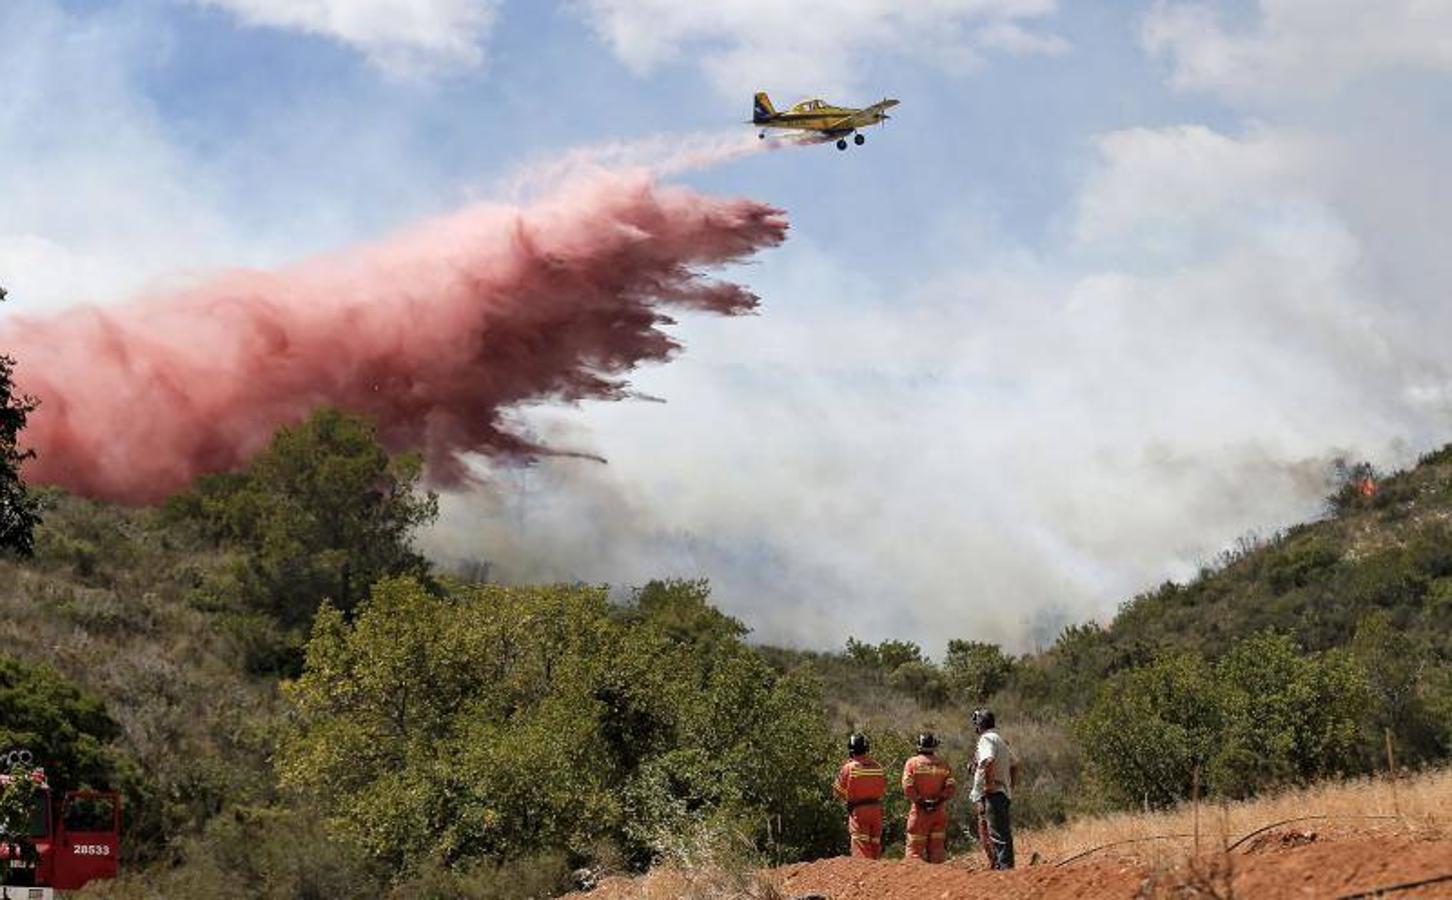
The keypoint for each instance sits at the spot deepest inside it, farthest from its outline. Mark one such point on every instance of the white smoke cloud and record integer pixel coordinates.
(405, 36)
(1299, 47)
(1055, 422)
(94, 200)
(102, 195)
(1036, 433)
(815, 45)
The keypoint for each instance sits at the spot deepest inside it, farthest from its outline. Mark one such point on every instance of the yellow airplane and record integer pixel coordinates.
(820, 117)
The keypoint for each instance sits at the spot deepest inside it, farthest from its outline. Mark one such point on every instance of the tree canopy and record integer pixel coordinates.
(322, 512)
(66, 729)
(19, 509)
(1265, 714)
(490, 722)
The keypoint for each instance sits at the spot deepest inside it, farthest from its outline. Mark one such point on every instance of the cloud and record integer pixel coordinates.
(1056, 418)
(96, 198)
(815, 45)
(106, 192)
(402, 36)
(1024, 438)
(1298, 47)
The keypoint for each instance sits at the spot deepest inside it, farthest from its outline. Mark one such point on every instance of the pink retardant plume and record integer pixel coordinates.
(434, 333)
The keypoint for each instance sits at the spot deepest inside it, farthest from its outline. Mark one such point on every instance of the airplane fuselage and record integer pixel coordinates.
(824, 119)
(819, 117)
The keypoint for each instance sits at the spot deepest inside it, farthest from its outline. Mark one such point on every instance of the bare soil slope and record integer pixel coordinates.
(1286, 862)
(1282, 867)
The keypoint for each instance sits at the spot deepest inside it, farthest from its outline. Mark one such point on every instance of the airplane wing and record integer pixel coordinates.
(860, 117)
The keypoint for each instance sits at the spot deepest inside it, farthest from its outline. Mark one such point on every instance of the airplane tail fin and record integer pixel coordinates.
(761, 108)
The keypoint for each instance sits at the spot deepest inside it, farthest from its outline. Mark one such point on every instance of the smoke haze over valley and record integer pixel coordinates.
(1159, 269)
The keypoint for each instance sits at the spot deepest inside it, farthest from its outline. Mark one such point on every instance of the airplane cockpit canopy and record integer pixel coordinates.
(809, 105)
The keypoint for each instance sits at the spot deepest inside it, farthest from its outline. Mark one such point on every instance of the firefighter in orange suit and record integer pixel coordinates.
(861, 782)
(928, 783)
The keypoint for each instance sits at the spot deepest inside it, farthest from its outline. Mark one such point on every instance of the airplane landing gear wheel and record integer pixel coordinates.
(859, 140)
(841, 143)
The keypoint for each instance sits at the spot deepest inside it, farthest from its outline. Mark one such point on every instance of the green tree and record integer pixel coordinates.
(976, 670)
(493, 722)
(886, 656)
(19, 509)
(681, 609)
(1288, 716)
(432, 730)
(754, 759)
(893, 654)
(67, 730)
(1149, 729)
(1394, 665)
(1439, 706)
(863, 653)
(922, 680)
(322, 512)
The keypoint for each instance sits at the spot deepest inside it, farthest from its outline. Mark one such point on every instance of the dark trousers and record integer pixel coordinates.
(1000, 830)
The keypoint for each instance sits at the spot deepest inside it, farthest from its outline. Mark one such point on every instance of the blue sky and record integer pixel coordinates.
(276, 111)
(1113, 287)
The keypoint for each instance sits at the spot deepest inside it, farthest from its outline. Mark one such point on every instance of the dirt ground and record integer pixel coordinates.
(1285, 863)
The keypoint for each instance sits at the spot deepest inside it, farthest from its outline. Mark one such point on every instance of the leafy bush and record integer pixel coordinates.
(1437, 457)
(975, 670)
(681, 609)
(1150, 728)
(921, 681)
(1392, 664)
(269, 854)
(1266, 714)
(1347, 480)
(19, 509)
(1288, 717)
(322, 512)
(449, 729)
(1299, 563)
(66, 729)
(886, 656)
(1439, 706)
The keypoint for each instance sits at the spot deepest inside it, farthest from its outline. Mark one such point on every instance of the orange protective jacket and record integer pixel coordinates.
(926, 777)
(861, 783)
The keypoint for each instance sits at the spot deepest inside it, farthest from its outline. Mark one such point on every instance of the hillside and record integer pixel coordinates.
(189, 625)
(115, 599)
(1391, 551)
(1364, 593)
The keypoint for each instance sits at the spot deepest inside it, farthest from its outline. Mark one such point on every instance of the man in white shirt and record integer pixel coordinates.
(995, 774)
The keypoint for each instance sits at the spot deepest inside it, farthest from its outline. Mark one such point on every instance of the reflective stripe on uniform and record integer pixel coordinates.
(863, 773)
(917, 839)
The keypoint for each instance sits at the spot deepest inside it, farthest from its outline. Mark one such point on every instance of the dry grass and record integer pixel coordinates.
(672, 883)
(711, 861)
(1420, 804)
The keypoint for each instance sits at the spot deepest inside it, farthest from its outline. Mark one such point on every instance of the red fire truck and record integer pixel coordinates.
(70, 843)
